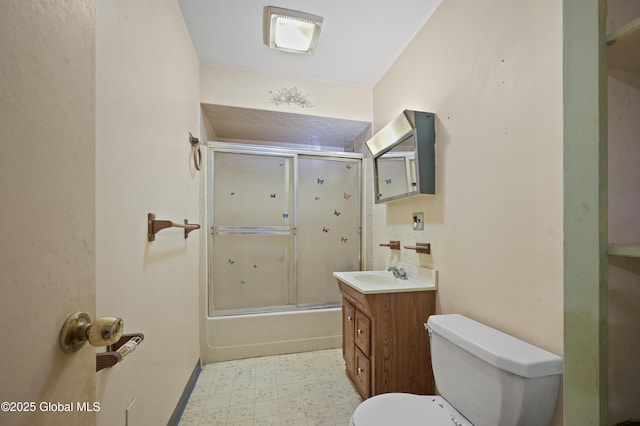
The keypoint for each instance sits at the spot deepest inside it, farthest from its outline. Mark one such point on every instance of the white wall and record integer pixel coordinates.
(147, 103)
(47, 223)
(492, 73)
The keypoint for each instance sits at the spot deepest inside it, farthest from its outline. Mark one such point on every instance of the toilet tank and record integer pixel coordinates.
(491, 377)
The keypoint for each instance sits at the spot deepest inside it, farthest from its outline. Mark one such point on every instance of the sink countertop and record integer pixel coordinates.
(372, 282)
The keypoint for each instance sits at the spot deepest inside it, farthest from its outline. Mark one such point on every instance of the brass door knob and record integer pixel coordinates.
(78, 329)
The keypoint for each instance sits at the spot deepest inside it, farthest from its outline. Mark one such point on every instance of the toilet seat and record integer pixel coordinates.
(405, 409)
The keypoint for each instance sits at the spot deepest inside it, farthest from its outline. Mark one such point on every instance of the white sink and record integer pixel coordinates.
(376, 277)
(370, 282)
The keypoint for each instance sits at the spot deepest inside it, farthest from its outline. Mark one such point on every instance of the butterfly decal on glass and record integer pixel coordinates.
(285, 215)
(346, 196)
(348, 166)
(317, 198)
(231, 261)
(255, 266)
(272, 195)
(325, 229)
(337, 213)
(343, 239)
(242, 282)
(281, 164)
(232, 193)
(388, 181)
(320, 181)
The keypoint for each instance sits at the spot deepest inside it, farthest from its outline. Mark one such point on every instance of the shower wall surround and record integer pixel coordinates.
(281, 223)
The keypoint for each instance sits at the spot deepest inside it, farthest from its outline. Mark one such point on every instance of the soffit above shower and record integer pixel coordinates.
(235, 124)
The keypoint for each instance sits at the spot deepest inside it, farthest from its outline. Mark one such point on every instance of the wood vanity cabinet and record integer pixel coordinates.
(384, 343)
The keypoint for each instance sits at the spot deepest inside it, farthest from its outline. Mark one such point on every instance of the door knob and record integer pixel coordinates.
(78, 329)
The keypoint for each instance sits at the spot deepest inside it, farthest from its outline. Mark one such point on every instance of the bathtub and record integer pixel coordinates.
(245, 336)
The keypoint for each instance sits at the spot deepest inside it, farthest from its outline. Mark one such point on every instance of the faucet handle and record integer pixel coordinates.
(398, 272)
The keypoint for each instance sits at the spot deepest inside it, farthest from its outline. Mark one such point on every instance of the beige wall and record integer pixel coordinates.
(147, 103)
(47, 187)
(492, 73)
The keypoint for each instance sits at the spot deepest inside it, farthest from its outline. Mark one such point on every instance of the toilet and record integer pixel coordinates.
(484, 378)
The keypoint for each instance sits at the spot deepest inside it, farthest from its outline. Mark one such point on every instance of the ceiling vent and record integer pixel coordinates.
(291, 30)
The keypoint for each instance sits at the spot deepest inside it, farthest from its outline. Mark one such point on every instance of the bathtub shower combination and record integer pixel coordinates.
(281, 223)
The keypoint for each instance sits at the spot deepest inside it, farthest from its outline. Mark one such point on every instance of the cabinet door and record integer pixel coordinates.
(362, 374)
(348, 334)
(363, 333)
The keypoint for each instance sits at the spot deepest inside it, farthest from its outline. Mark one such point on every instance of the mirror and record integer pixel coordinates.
(404, 157)
(395, 171)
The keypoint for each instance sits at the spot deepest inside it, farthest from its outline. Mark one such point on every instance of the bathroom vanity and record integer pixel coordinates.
(384, 342)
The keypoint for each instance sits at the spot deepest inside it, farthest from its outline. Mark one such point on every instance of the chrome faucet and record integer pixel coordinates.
(398, 272)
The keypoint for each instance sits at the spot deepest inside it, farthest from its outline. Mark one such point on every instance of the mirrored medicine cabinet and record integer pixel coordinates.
(404, 157)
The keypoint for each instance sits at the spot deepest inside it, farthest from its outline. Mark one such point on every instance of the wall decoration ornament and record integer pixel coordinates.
(290, 96)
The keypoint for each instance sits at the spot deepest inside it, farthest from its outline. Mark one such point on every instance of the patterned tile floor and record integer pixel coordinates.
(302, 389)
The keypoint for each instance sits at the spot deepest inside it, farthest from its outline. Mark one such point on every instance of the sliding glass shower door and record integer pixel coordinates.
(281, 223)
(329, 221)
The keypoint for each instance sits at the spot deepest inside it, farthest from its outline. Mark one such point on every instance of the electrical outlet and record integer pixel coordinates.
(418, 221)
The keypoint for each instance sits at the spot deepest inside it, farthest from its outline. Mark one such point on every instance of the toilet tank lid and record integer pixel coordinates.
(495, 347)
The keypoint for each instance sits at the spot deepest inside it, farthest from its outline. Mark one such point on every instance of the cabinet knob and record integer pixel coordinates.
(360, 331)
(360, 370)
(349, 318)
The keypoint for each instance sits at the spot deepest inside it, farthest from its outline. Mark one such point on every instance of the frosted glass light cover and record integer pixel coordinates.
(291, 30)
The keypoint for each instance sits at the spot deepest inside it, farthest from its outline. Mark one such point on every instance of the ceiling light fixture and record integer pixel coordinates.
(290, 30)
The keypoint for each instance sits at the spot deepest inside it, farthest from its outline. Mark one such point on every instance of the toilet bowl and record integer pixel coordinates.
(484, 377)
